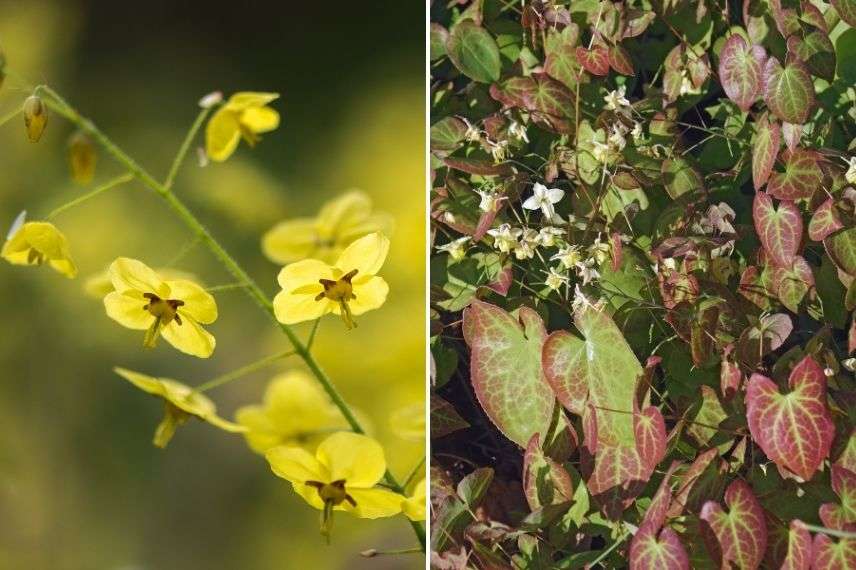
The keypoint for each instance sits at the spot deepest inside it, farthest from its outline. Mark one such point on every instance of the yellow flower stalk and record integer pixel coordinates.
(245, 115)
(414, 505)
(181, 403)
(294, 411)
(35, 117)
(341, 476)
(350, 287)
(37, 243)
(324, 237)
(174, 309)
(81, 158)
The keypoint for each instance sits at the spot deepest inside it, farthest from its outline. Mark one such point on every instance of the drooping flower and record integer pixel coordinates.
(37, 243)
(489, 200)
(543, 199)
(517, 131)
(616, 100)
(568, 256)
(341, 476)
(174, 309)
(413, 506)
(295, 410)
(587, 270)
(556, 279)
(548, 235)
(181, 402)
(350, 287)
(324, 237)
(456, 248)
(599, 250)
(505, 237)
(245, 115)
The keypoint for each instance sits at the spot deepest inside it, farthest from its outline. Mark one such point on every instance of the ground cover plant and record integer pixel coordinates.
(642, 284)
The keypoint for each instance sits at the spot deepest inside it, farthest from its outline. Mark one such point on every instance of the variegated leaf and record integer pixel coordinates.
(740, 68)
(765, 148)
(779, 229)
(788, 90)
(801, 177)
(740, 535)
(824, 221)
(652, 547)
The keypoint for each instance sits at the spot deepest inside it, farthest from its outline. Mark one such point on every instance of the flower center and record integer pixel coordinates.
(340, 291)
(164, 311)
(333, 494)
(35, 256)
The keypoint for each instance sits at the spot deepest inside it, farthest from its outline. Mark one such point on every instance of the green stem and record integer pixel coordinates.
(243, 371)
(185, 147)
(58, 104)
(226, 287)
(830, 531)
(118, 181)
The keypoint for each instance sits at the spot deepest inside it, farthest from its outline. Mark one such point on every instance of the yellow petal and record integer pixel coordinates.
(311, 496)
(379, 222)
(65, 267)
(366, 255)
(45, 239)
(348, 209)
(290, 240)
(261, 432)
(259, 119)
(222, 135)
(189, 337)
(293, 308)
(127, 310)
(142, 381)
(414, 506)
(409, 422)
(297, 465)
(198, 303)
(302, 273)
(374, 503)
(370, 294)
(134, 275)
(356, 458)
(223, 424)
(98, 285)
(246, 99)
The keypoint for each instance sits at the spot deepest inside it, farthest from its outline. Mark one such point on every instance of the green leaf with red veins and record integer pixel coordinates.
(689, 479)
(513, 92)
(757, 286)
(824, 221)
(779, 229)
(545, 482)
(789, 90)
(474, 52)
(620, 60)
(793, 282)
(795, 429)
(655, 548)
(846, 11)
(740, 535)
(561, 56)
(551, 97)
(801, 178)
(765, 148)
(841, 247)
(833, 554)
(505, 369)
(791, 134)
(799, 553)
(445, 419)
(740, 67)
(594, 60)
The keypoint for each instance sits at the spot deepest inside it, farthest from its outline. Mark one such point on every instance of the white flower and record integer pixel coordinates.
(524, 250)
(616, 140)
(599, 251)
(456, 248)
(849, 364)
(637, 132)
(489, 200)
(568, 256)
(615, 100)
(555, 280)
(600, 151)
(505, 237)
(850, 176)
(587, 271)
(530, 236)
(580, 299)
(517, 131)
(498, 150)
(472, 134)
(543, 198)
(547, 236)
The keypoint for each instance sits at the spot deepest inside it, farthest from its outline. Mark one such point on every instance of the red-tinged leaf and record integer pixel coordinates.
(480, 167)
(795, 429)
(699, 69)
(788, 90)
(757, 286)
(637, 21)
(594, 60)
(514, 91)
(740, 535)
(740, 67)
(689, 479)
(791, 134)
(847, 459)
(445, 419)
(833, 554)
(824, 221)
(650, 431)
(474, 52)
(799, 553)
(779, 229)
(846, 11)
(620, 60)
(561, 62)
(545, 482)
(844, 485)
(841, 247)
(550, 97)
(800, 179)
(503, 281)
(617, 249)
(851, 338)
(659, 507)
(793, 282)
(730, 375)
(505, 369)
(832, 516)
(765, 148)
(655, 548)
(785, 16)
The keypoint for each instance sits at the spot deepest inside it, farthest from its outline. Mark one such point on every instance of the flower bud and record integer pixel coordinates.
(81, 158)
(35, 117)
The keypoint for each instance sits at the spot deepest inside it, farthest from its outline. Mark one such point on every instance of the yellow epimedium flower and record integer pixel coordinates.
(244, 116)
(338, 224)
(350, 287)
(37, 243)
(174, 309)
(100, 284)
(181, 403)
(413, 506)
(341, 476)
(295, 410)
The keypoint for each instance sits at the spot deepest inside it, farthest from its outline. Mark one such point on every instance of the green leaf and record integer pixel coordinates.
(680, 176)
(765, 148)
(447, 134)
(740, 70)
(846, 11)
(473, 487)
(841, 247)
(439, 37)
(740, 535)
(474, 52)
(444, 418)
(789, 91)
(561, 58)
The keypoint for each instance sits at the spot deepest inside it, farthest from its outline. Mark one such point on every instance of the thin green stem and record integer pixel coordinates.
(118, 181)
(226, 287)
(830, 531)
(185, 147)
(311, 340)
(244, 370)
(609, 550)
(10, 115)
(414, 472)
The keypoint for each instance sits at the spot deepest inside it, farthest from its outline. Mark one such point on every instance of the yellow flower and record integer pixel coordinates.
(100, 284)
(181, 403)
(295, 411)
(311, 288)
(341, 476)
(409, 422)
(340, 222)
(174, 309)
(414, 505)
(35, 243)
(245, 115)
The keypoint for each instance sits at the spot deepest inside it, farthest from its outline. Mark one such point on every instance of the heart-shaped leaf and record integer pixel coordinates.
(824, 221)
(561, 56)
(841, 515)
(650, 431)
(474, 52)
(444, 418)
(846, 11)
(447, 134)
(680, 176)
(789, 91)
(757, 286)
(594, 60)
(740, 68)
(545, 482)
(740, 535)
(841, 247)
(779, 229)
(800, 179)
(795, 429)
(791, 134)
(655, 548)
(831, 555)
(799, 555)
(505, 369)
(793, 282)
(620, 60)
(765, 148)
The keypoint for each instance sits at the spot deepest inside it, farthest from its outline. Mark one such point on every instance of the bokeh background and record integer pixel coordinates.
(81, 486)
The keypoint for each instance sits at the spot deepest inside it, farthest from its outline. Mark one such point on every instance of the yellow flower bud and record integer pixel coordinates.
(35, 117)
(81, 158)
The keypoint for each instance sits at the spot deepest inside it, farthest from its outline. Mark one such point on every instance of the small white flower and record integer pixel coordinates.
(211, 99)
(600, 151)
(547, 236)
(615, 100)
(849, 364)
(580, 299)
(489, 200)
(472, 134)
(828, 372)
(524, 250)
(530, 236)
(543, 198)
(599, 251)
(456, 249)
(555, 280)
(616, 139)
(505, 237)
(498, 150)
(517, 131)
(850, 175)
(637, 132)
(568, 256)
(587, 271)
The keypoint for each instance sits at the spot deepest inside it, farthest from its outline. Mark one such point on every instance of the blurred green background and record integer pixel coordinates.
(81, 486)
